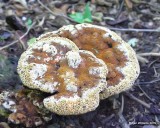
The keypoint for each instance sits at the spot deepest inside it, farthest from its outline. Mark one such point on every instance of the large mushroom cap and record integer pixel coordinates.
(119, 57)
(35, 66)
(75, 78)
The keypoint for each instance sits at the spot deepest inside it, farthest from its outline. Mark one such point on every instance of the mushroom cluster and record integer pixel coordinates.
(79, 65)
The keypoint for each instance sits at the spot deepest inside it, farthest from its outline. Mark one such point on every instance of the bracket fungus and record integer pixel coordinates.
(79, 65)
(119, 57)
(74, 77)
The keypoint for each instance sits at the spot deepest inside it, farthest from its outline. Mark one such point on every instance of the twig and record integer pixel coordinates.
(142, 59)
(146, 94)
(25, 34)
(149, 82)
(149, 54)
(120, 10)
(157, 120)
(149, 65)
(122, 120)
(6, 46)
(107, 119)
(104, 2)
(20, 39)
(42, 21)
(158, 45)
(122, 106)
(137, 100)
(156, 74)
(134, 30)
(49, 10)
(46, 8)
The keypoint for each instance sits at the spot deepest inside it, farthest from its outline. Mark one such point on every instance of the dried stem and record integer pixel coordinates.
(150, 82)
(122, 120)
(146, 94)
(142, 59)
(6, 46)
(134, 30)
(149, 54)
(25, 34)
(137, 100)
(20, 39)
(50, 11)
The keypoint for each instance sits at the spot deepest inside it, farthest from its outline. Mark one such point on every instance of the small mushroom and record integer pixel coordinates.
(119, 57)
(81, 78)
(74, 77)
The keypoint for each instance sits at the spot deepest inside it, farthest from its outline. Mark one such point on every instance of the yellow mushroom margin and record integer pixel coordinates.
(72, 101)
(130, 71)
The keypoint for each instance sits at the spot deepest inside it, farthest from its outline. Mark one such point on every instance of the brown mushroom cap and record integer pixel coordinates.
(35, 64)
(119, 57)
(74, 77)
(83, 78)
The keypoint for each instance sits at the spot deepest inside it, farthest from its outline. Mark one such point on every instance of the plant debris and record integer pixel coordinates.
(25, 107)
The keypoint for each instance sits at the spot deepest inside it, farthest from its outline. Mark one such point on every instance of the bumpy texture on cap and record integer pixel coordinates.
(119, 57)
(83, 78)
(75, 77)
(35, 64)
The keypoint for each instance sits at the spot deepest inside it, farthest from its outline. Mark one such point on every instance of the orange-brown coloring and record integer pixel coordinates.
(105, 48)
(56, 71)
(82, 78)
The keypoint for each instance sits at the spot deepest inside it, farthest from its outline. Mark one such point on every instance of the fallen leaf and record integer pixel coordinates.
(77, 16)
(4, 125)
(4, 35)
(133, 42)
(98, 16)
(120, 19)
(80, 17)
(31, 41)
(87, 16)
(29, 22)
(129, 4)
(23, 2)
